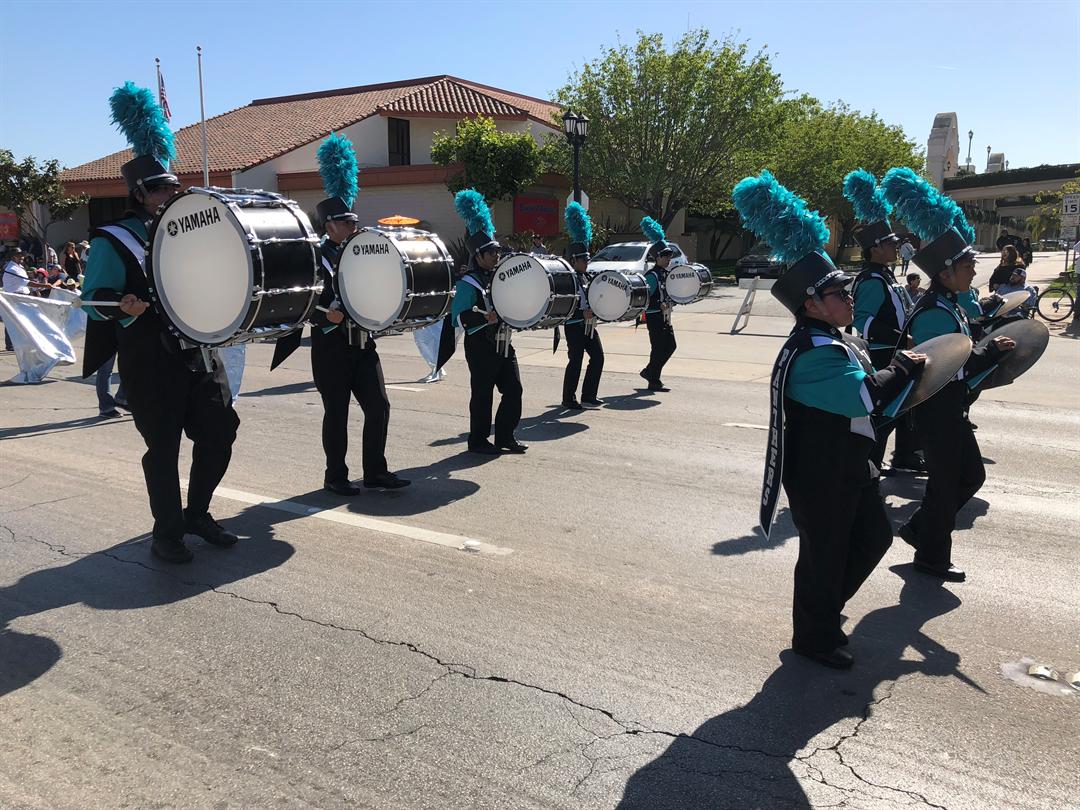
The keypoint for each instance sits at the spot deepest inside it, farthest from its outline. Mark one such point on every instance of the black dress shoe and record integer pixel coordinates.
(945, 571)
(512, 446)
(386, 480)
(834, 659)
(571, 405)
(112, 413)
(342, 487)
(210, 530)
(591, 403)
(907, 534)
(909, 464)
(656, 385)
(169, 550)
(484, 449)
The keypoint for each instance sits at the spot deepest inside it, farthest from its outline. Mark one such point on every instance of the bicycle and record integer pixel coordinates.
(1056, 302)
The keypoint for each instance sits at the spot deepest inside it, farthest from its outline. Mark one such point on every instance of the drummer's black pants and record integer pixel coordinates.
(843, 534)
(341, 372)
(576, 346)
(662, 341)
(907, 439)
(955, 470)
(489, 370)
(168, 399)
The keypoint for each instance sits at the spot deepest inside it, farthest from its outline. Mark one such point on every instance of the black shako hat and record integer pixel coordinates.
(480, 242)
(146, 173)
(806, 278)
(577, 250)
(658, 248)
(334, 208)
(942, 253)
(873, 234)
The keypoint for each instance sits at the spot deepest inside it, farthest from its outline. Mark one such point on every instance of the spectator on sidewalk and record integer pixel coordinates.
(1007, 239)
(73, 265)
(1027, 252)
(907, 250)
(913, 288)
(1010, 261)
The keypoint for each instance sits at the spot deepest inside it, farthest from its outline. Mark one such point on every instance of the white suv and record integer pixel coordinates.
(629, 257)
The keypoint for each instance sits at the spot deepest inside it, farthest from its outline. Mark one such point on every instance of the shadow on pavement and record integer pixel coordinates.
(281, 390)
(632, 402)
(46, 428)
(124, 577)
(750, 755)
(782, 531)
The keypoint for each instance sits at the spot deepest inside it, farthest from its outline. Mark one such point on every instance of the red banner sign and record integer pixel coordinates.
(537, 214)
(9, 226)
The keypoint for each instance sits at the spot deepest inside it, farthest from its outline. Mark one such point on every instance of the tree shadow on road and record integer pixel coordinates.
(754, 755)
(123, 577)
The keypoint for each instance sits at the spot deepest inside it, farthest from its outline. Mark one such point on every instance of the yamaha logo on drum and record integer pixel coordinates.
(520, 267)
(682, 274)
(616, 282)
(378, 249)
(189, 222)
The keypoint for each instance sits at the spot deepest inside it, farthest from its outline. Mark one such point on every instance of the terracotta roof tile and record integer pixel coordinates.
(266, 128)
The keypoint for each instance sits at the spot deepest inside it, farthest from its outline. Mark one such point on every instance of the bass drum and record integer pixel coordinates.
(395, 279)
(688, 283)
(618, 296)
(534, 292)
(228, 266)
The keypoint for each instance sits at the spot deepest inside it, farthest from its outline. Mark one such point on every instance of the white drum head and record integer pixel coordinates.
(203, 274)
(520, 290)
(371, 279)
(683, 284)
(609, 295)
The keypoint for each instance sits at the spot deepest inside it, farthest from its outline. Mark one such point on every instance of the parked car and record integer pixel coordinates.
(629, 257)
(759, 262)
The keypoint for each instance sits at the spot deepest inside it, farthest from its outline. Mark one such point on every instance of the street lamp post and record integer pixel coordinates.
(988, 158)
(971, 135)
(576, 129)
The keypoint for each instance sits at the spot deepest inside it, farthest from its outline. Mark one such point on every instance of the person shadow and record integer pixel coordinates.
(47, 428)
(756, 755)
(639, 400)
(783, 529)
(546, 426)
(125, 577)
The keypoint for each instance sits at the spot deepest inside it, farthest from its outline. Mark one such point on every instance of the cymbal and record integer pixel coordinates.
(945, 356)
(1031, 339)
(1010, 301)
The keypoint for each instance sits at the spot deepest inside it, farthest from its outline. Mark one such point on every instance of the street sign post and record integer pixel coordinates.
(1070, 204)
(585, 199)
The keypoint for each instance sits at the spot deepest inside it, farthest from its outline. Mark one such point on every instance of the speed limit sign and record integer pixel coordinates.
(1070, 204)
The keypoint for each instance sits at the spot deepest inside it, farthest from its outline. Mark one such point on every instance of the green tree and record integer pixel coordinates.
(497, 164)
(22, 183)
(672, 129)
(1048, 213)
(821, 144)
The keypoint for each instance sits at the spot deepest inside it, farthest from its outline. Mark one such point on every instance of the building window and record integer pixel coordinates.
(399, 141)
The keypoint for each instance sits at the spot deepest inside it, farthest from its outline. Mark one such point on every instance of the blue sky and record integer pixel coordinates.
(1007, 69)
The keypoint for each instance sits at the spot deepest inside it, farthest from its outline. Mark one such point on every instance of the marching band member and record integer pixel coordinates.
(170, 390)
(658, 310)
(344, 361)
(824, 391)
(490, 366)
(955, 465)
(882, 306)
(579, 227)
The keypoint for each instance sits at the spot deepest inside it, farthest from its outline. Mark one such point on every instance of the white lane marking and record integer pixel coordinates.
(745, 425)
(455, 541)
(396, 387)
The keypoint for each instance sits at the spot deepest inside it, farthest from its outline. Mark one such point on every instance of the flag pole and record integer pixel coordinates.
(157, 64)
(202, 116)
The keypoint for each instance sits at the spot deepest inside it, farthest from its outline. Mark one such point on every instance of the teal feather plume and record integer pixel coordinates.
(861, 190)
(926, 211)
(338, 168)
(960, 222)
(779, 217)
(473, 208)
(578, 224)
(137, 114)
(652, 229)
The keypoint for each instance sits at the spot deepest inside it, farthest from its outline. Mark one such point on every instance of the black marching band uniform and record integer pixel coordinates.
(953, 459)
(579, 338)
(172, 388)
(491, 364)
(657, 311)
(823, 391)
(344, 359)
(882, 307)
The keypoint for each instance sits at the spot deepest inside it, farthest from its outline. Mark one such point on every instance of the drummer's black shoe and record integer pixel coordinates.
(210, 530)
(112, 413)
(170, 550)
(571, 405)
(512, 446)
(591, 403)
(834, 659)
(945, 571)
(342, 487)
(484, 448)
(386, 480)
(909, 464)
(656, 385)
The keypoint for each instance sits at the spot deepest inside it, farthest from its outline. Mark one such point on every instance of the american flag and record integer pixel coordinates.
(163, 99)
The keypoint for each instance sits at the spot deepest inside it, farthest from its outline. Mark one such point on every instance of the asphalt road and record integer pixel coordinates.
(595, 624)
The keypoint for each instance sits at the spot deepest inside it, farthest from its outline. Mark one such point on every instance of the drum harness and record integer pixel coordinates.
(503, 331)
